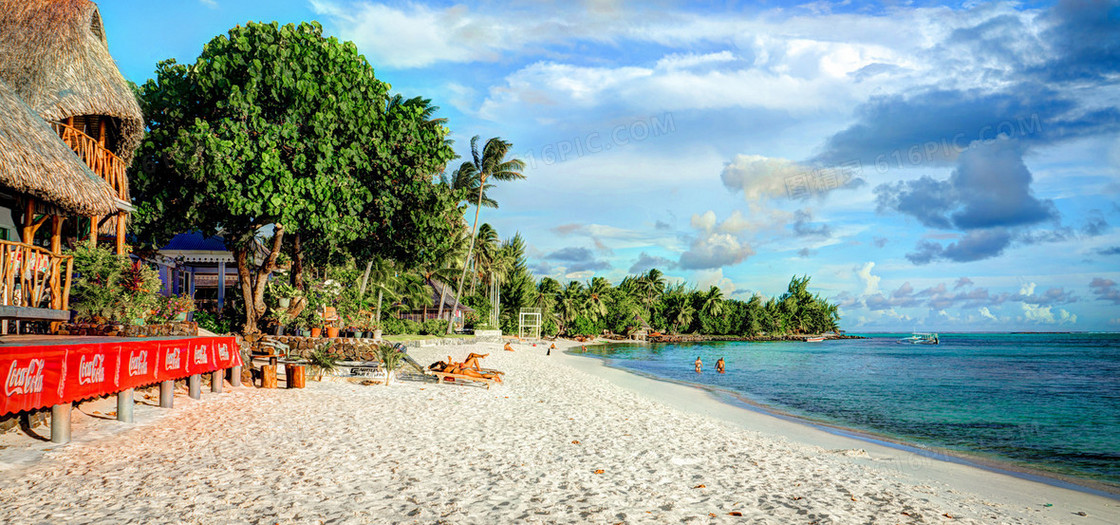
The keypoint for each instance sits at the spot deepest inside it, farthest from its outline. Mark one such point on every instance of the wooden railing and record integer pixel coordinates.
(99, 159)
(34, 277)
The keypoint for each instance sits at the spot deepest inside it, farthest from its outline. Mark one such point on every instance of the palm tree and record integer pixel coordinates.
(487, 248)
(490, 162)
(651, 286)
(545, 296)
(571, 303)
(597, 297)
(712, 302)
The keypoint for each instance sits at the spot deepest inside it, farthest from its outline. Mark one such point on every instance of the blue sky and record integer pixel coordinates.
(932, 166)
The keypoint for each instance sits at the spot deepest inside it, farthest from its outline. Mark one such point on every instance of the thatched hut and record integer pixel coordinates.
(34, 162)
(54, 54)
(70, 128)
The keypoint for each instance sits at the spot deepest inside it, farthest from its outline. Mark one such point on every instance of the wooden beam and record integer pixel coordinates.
(35, 227)
(27, 313)
(120, 233)
(28, 217)
(56, 234)
(93, 230)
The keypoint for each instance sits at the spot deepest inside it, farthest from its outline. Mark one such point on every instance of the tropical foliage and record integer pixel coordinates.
(279, 127)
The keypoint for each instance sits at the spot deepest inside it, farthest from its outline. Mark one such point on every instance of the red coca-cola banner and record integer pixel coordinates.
(45, 375)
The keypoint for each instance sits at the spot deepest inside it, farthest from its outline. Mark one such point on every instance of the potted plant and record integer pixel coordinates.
(321, 360)
(391, 358)
(302, 323)
(283, 292)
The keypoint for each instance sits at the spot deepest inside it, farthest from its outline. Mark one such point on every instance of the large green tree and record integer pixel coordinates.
(278, 127)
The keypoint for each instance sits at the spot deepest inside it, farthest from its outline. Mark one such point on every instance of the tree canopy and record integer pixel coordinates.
(279, 126)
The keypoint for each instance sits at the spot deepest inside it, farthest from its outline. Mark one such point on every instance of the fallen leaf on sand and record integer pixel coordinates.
(600, 471)
(700, 486)
(947, 515)
(853, 498)
(575, 441)
(734, 513)
(712, 514)
(795, 498)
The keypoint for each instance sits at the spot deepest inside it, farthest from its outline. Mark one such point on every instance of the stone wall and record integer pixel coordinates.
(187, 329)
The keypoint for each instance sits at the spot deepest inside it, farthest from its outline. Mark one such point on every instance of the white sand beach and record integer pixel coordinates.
(564, 440)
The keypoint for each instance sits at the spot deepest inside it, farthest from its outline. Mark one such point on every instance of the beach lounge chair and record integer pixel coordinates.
(444, 377)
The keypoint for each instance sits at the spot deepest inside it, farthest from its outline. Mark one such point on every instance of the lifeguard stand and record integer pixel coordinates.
(529, 323)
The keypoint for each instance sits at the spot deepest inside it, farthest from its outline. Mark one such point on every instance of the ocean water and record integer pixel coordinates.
(1049, 402)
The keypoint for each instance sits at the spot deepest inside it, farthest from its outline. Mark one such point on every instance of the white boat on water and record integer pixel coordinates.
(920, 339)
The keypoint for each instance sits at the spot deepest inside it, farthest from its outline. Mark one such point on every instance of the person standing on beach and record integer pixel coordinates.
(550, 347)
(719, 365)
(699, 365)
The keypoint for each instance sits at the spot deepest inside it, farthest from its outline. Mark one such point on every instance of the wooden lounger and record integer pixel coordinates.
(444, 376)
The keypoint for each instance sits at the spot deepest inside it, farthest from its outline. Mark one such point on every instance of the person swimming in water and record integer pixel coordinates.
(720, 365)
(699, 365)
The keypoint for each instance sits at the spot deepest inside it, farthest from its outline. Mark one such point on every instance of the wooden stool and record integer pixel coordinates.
(296, 375)
(268, 376)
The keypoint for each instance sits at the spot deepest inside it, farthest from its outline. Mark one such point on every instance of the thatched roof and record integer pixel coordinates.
(53, 53)
(34, 161)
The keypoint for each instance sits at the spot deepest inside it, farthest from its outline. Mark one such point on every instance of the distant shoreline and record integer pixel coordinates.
(697, 338)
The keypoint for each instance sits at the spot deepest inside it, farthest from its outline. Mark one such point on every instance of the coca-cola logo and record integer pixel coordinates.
(25, 380)
(91, 371)
(200, 355)
(223, 352)
(171, 359)
(137, 363)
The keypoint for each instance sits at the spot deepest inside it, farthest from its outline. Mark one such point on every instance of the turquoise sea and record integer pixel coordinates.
(1047, 402)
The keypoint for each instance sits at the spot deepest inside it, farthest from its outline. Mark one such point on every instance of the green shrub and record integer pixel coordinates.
(209, 321)
(433, 327)
(584, 326)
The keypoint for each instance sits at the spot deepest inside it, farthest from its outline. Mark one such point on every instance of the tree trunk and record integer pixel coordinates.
(442, 299)
(470, 251)
(378, 320)
(365, 280)
(244, 279)
(297, 263)
(252, 287)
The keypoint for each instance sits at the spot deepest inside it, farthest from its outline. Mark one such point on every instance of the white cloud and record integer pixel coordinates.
(870, 282)
(712, 247)
(987, 314)
(690, 60)
(1044, 315)
(1027, 289)
(212, 4)
(708, 278)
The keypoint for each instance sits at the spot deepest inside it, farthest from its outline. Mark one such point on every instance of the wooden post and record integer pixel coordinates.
(235, 376)
(217, 377)
(295, 375)
(56, 234)
(167, 394)
(268, 376)
(28, 236)
(120, 232)
(124, 405)
(60, 423)
(194, 386)
(93, 229)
